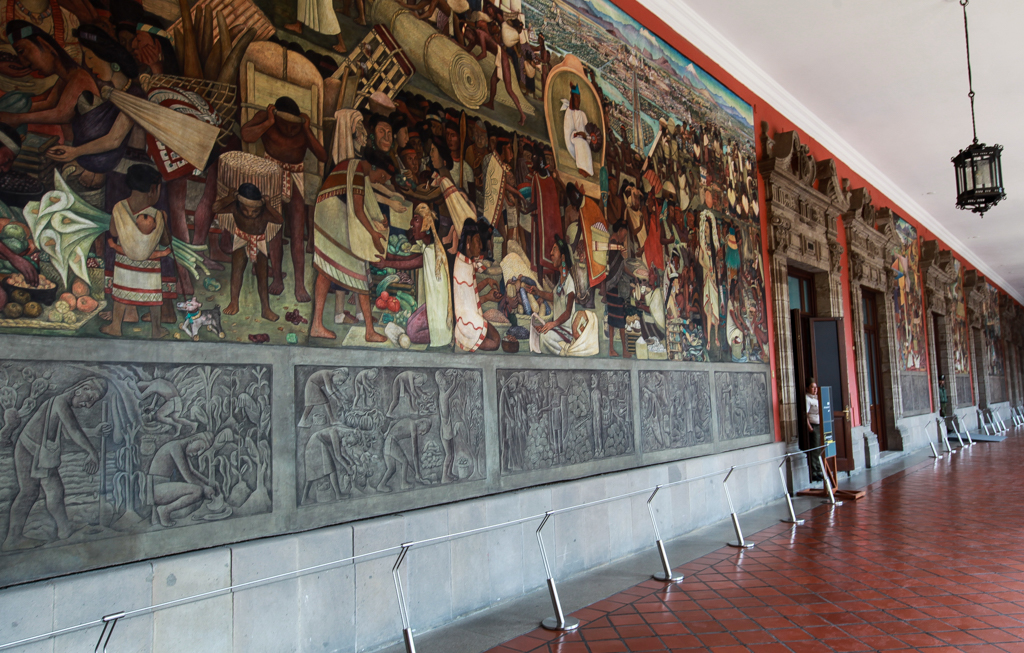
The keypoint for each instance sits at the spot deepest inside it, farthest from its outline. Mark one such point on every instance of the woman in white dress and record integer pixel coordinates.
(472, 331)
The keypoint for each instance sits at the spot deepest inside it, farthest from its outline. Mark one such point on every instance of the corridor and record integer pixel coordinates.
(931, 559)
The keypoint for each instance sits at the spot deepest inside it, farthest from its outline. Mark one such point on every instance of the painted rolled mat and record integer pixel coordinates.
(444, 63)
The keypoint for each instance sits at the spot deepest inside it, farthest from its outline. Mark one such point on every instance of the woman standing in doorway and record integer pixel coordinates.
(813, 413)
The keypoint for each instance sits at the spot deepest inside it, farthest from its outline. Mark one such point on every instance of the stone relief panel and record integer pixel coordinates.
(675, 410)
(916, 394)
(742, 400)
(549, 419)
(94, 451)
(373, 430)
(964, 391)
(997, 390)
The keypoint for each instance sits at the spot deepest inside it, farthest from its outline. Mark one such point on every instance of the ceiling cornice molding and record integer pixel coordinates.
(681, 18)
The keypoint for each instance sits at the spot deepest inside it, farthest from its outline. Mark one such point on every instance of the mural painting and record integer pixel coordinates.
(549, 419)
(743, 404)
(376, 430)
(94, 451)
(545, 179)
(993, 332)
(675, 410)
(907, 298)
(961, 344)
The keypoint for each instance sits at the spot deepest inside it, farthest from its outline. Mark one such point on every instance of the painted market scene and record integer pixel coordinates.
(269, 267)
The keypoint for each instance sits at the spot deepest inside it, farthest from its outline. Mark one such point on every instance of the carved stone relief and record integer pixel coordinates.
(675, 410)
(916, 397)
(370, 430)
(997, 390)
(95, 451)
(549, 419)
(963, 391)
(742, 401)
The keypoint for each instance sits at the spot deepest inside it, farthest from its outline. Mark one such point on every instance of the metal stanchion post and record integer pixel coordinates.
(945, 440)
(789, 502)
(957, 424)
(983, 424)
(403, 607)
(828, 482)
(935, 454)
(958, 436)
(1002, 424)
(740, 543)
(666, 574)
(109, 620)
(559, 621)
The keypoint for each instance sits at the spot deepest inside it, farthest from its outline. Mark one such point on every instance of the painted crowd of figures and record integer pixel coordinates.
(572, 208)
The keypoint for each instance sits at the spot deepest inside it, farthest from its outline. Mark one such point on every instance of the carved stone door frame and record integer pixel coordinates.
(804, 199)
(973, 283)
(939, 275)
(870, 272)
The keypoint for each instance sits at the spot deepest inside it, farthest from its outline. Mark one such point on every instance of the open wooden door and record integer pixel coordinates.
(828, 345)
(799, 365)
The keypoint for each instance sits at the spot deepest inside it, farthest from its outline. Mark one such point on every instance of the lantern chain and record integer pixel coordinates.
(970, 81)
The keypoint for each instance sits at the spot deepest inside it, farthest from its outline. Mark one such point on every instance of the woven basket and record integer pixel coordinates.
(43, 323)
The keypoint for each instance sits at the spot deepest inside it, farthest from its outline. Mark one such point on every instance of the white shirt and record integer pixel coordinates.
(813, 416)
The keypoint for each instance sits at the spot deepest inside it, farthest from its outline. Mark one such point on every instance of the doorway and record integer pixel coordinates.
(819, 351)
(803, 307)
(938, 352)
(873, 357)
(979, 368)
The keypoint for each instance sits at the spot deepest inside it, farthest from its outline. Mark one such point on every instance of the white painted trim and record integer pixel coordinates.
(691, 26)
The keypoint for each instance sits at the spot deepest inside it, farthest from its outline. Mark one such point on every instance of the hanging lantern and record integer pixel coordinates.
(979, 168)
(979, 177)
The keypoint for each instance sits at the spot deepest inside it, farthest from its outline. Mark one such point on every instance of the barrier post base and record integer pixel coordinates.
(667, 575)
(740, 542)
(410, 645)
(559, 622)
(570, 624)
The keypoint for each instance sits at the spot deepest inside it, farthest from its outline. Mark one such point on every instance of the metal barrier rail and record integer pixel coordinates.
(558, 622)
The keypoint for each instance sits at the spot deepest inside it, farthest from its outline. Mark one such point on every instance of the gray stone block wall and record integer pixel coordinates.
(354, 607)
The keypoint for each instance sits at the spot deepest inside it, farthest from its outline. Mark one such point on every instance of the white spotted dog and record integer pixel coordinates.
(196, 318)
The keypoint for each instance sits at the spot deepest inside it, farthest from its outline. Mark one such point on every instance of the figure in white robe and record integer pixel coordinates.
(319, 16)
(575, 132)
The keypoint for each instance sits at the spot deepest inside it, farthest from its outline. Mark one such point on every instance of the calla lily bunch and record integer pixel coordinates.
(65, 226)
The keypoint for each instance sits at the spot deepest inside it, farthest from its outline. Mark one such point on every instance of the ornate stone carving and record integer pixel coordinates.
(835, 251)
(675, 410)
(550, 419)
(364, 430)
(868, 247)
(804, 198)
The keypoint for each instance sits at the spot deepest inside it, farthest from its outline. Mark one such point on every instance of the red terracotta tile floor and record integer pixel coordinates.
(932, 559)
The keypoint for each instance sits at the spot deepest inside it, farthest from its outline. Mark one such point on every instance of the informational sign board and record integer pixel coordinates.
(827, 434)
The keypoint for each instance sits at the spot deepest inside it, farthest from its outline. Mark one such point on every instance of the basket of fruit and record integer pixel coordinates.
(18, 189)
(21, 310)
(45, 292)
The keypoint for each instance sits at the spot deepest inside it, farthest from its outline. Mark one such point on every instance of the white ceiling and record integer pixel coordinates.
(883, 86)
